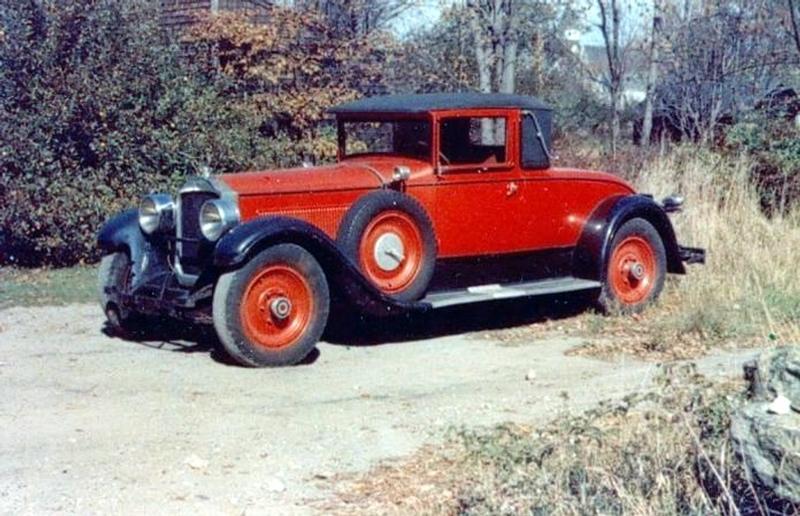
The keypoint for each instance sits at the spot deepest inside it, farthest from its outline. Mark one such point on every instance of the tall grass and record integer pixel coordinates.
(751, 280)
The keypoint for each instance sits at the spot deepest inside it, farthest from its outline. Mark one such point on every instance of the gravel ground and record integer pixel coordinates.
(95, 425)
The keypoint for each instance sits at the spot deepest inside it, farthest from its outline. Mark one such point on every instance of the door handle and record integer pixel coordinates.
(511, 188)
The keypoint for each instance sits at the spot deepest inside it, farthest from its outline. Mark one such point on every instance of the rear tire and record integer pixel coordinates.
(114, 273)
(272, 311)
(636, 268)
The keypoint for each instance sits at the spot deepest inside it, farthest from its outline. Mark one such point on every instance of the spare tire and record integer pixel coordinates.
(390, 237)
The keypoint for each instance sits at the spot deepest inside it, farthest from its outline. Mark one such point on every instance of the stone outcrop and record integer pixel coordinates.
(769, 443)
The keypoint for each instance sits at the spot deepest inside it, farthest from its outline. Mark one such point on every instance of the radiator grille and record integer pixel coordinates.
(190, 246)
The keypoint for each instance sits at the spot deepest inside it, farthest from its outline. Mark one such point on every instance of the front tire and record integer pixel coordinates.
(272, 311)
(636, 268)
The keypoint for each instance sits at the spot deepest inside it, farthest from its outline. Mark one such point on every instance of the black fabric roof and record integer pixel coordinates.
(424, 102)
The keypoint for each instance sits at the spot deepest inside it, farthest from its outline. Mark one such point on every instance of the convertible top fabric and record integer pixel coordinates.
(424, 102)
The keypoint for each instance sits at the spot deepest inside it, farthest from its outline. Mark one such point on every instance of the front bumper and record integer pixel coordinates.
(163, 295)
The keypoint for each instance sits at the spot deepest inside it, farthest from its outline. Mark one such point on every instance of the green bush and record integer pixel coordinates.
(96, 108)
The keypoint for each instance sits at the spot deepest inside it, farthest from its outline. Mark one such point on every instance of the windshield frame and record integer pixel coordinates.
(341, 133)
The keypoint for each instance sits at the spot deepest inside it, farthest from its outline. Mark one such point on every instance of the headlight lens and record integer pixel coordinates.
(156, 213)
(216, 217)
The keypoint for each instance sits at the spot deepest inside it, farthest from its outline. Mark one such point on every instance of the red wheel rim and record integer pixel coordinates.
(632, 270)
(391, 251)
(277, 307)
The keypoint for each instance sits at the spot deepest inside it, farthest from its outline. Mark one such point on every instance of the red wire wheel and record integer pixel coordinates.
(636, 268)
(277, 306)
(391, 251)
(272, 311)
(632, 270)
(388, 235)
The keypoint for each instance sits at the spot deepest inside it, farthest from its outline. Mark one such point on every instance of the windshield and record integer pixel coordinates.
(410, 138)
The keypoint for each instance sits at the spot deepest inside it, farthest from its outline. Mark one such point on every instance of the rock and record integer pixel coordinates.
(195, 462)
(766, 431)
(769, 446)
(530, 375)
(773, 373)
(780, 405)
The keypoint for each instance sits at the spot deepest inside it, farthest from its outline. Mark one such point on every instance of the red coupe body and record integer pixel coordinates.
(435, 200)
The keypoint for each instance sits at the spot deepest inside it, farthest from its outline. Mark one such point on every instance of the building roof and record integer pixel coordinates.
(424, 102)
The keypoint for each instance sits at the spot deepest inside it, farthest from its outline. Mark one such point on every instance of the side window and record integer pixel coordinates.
(472, 141)
(536, 140)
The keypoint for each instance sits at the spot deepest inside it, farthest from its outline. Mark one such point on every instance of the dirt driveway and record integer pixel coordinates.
(94, 424)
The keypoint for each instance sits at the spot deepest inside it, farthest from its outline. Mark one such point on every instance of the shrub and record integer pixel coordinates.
(770, 137)
(96, 107)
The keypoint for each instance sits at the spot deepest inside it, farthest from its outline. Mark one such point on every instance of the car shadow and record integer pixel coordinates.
(347, 328)
(175, 336)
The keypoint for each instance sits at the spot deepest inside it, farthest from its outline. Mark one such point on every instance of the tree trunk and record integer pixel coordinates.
(508, 78)
(615, 107)
(537, 64)
(652, 72)
(793, 16)
(611, 38)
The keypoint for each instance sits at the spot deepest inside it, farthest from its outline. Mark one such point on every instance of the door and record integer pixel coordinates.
(478, 194)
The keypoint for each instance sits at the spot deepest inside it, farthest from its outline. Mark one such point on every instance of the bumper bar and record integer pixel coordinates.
(163, 295)
(690, 255)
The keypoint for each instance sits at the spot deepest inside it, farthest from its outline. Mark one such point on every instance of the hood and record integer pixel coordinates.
(350, 174)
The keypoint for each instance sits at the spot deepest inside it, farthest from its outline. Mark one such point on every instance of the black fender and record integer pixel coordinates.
(238, 245)
(121, 233)
(594, 245)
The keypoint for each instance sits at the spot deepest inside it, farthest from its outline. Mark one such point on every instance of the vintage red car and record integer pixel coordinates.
(436, 200)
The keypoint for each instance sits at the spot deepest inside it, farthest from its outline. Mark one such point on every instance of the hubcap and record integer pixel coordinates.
(637, 271)
(389, 252)
(280, 307)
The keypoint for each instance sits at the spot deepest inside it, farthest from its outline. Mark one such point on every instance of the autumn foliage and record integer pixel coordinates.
(291, 69)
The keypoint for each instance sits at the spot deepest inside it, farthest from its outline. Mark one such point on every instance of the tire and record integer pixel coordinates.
(115, 272)
(397, 222)
(628, 288)
(272, 311)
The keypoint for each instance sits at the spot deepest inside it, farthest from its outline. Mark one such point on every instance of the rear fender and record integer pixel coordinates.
(240, 244)
(594, 245)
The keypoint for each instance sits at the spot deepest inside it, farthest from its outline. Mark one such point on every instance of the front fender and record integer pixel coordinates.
(121, 233)
(594, 245)
(241, 243)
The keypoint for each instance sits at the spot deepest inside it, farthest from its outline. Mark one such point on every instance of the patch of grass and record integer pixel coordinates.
(35, 287)
(665, 451)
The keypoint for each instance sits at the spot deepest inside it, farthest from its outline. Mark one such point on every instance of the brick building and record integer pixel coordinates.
(177, 14)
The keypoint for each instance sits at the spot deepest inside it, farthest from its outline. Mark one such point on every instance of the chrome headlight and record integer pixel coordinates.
(156, 213)
(217, 217)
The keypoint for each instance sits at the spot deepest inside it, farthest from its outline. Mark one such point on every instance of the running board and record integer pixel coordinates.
(481, 293)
